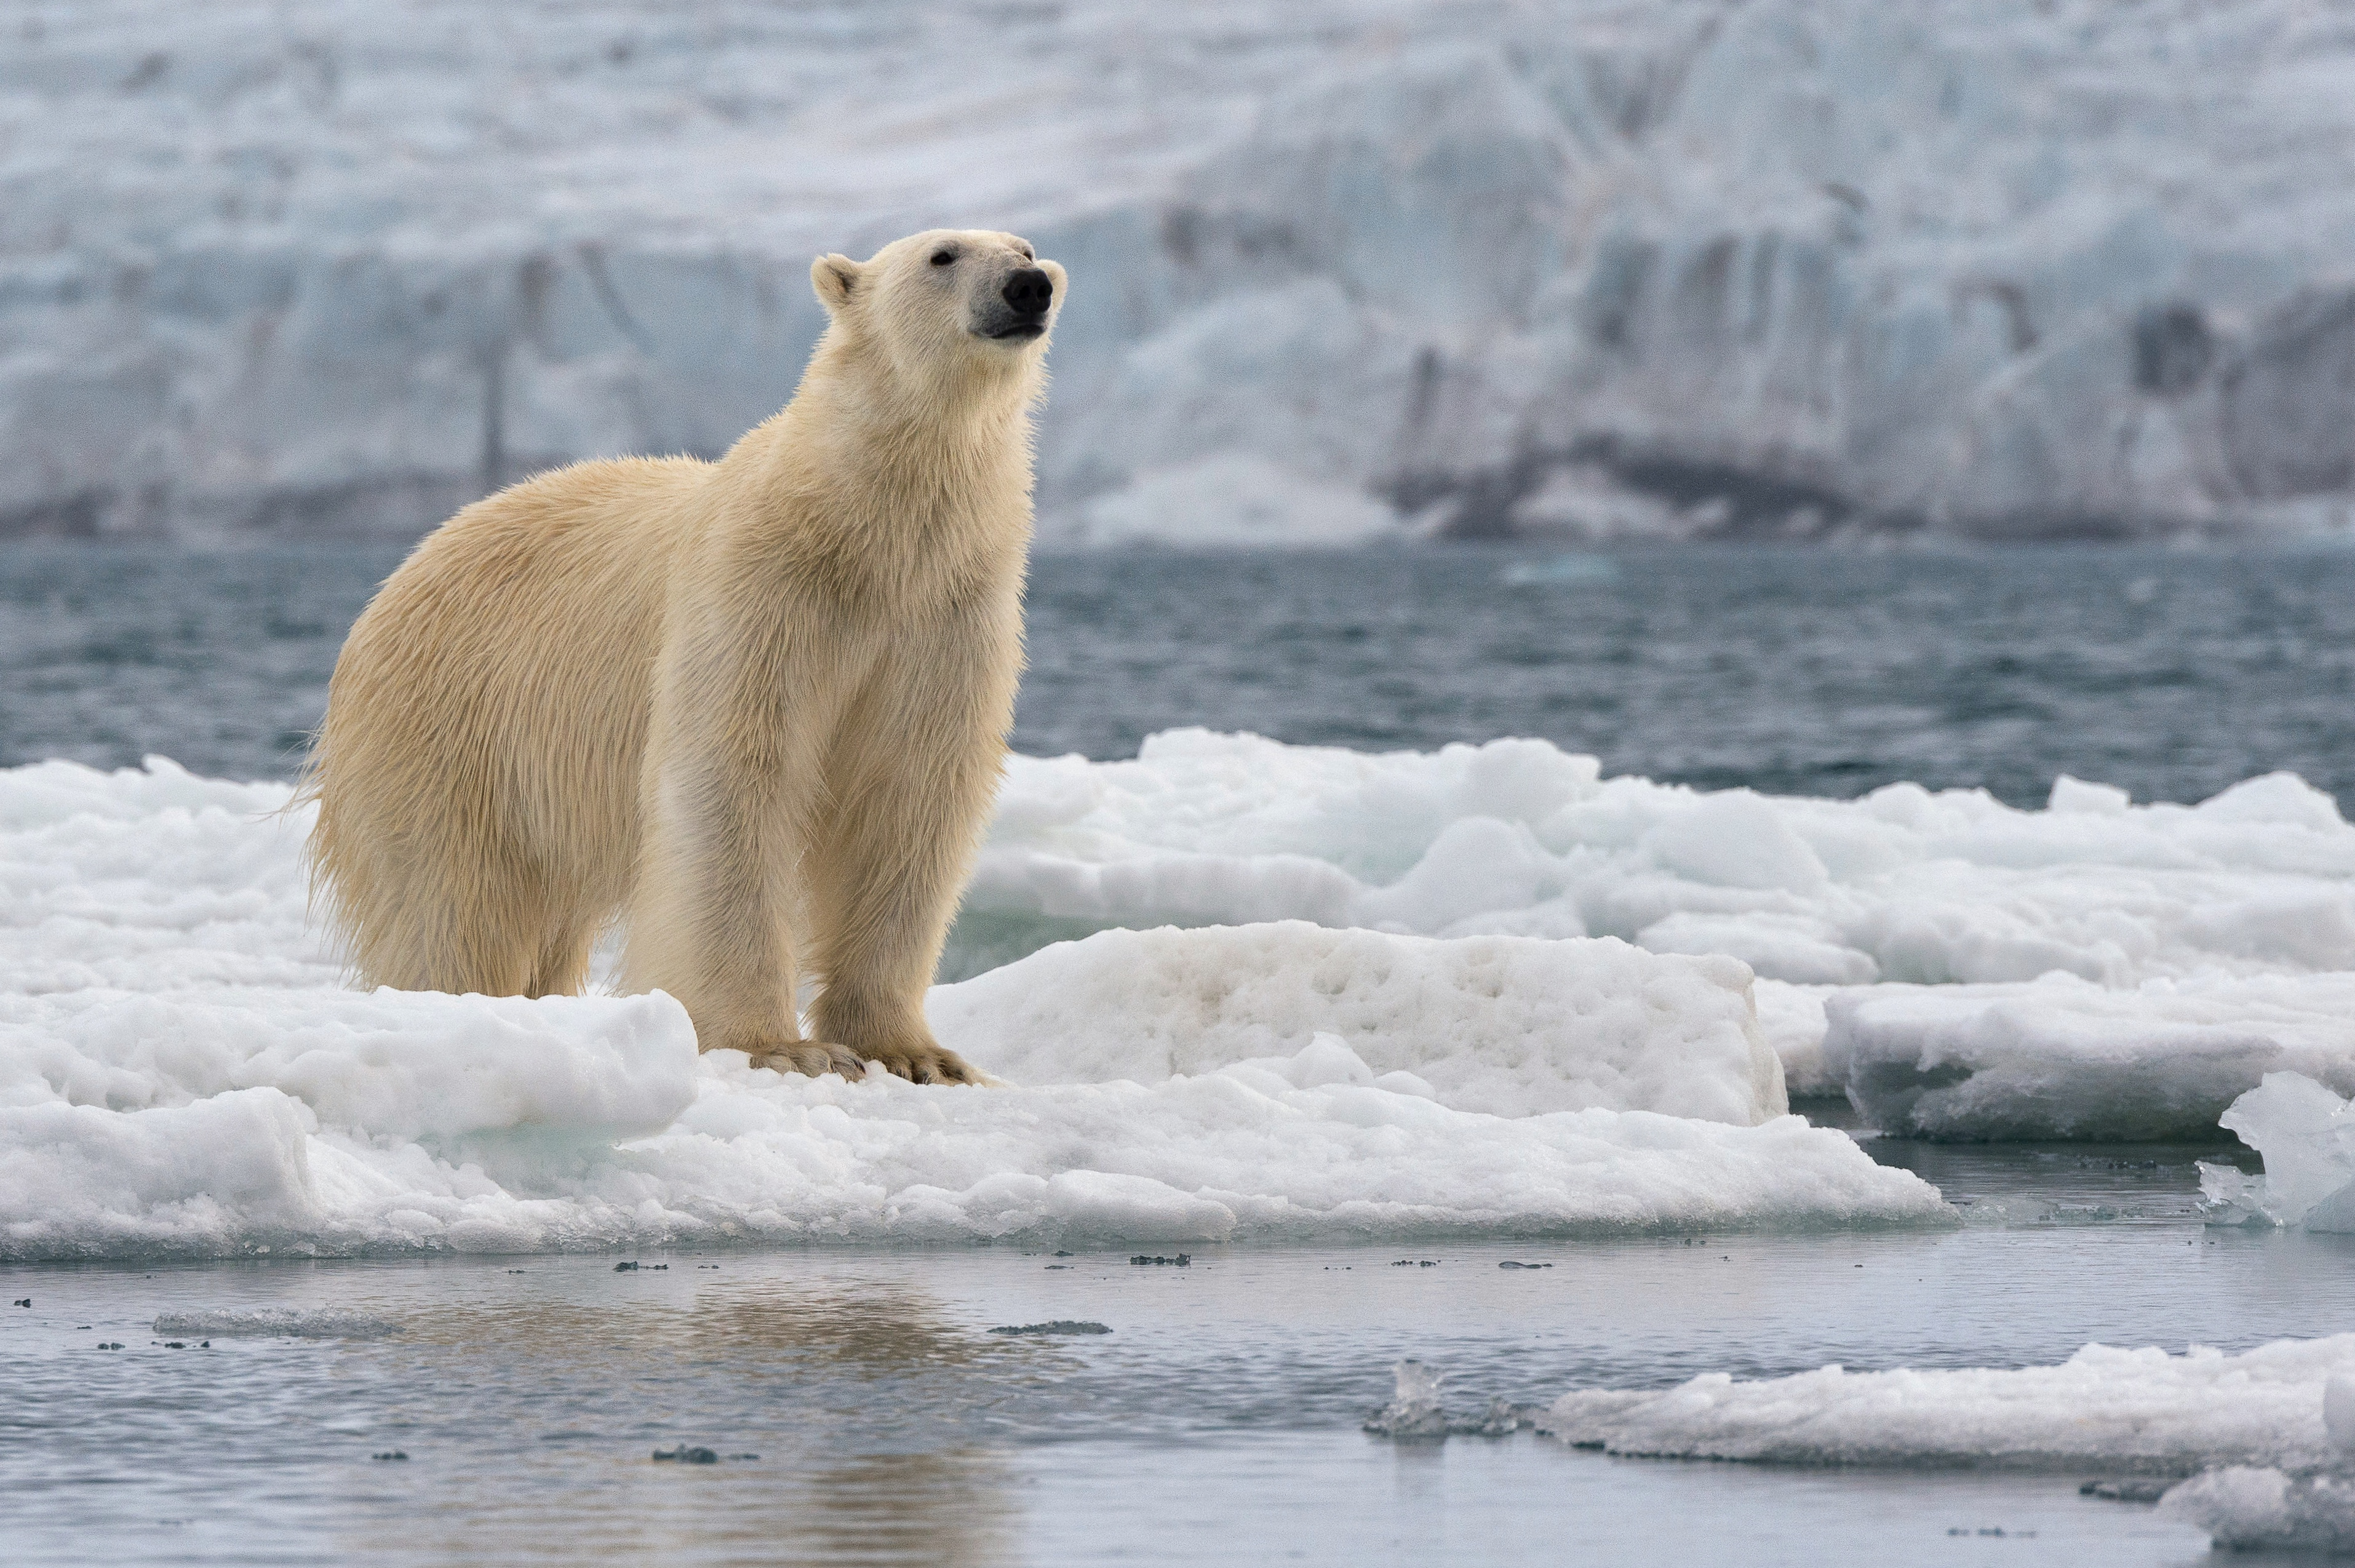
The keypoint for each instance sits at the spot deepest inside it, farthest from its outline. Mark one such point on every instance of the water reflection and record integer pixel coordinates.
(849, 1423)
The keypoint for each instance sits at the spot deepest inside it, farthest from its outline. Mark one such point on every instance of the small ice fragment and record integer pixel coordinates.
(2250, 1507)
(1055, 1326)
(1414, 1410)
(2126, 1489)
(1502, 1419)
(2307, 1134)
(2338, 1411)
(278, 1323)
(1510, 1262)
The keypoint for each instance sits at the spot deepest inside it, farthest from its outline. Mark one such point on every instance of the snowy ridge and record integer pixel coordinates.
(1343, 269)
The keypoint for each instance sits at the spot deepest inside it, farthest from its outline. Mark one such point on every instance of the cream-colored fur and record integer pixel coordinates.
(757, 707)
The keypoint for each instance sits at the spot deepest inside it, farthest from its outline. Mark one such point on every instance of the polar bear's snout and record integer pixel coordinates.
(1023, 305)
(1030, 291)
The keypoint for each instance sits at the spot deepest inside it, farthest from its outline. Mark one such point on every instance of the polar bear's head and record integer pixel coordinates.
(946, 300)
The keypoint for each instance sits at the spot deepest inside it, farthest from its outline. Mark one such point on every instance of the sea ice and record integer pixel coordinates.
(1504, 1024)
(1417, 1409)
(1960, 967)
(181, 1073)
(2250, 1508)
(2064, 1058)
(2307, 1134)
(2106, 1409)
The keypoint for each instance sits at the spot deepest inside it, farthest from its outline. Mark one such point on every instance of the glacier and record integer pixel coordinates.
(1345, 269)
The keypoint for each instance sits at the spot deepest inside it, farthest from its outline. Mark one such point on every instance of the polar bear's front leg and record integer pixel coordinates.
(732, 783)
(710, 921)
(911, 784)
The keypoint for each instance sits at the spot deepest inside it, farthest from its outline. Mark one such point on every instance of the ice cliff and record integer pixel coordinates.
(1784, 267)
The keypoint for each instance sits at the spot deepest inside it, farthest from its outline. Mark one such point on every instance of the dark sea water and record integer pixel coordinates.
(862, 1412)
(2172, 673)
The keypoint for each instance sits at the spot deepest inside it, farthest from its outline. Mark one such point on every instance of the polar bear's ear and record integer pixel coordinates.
(833, 278)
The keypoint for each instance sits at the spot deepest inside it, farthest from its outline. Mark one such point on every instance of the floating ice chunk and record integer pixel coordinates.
(2062, 1058)
(2307, 1134)
(1417, 1408)
(2139, 1410)
(1506, 1025)
(280, 1323)
(2261, 1508)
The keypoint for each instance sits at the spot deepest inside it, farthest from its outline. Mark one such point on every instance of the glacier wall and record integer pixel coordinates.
(1342, 270)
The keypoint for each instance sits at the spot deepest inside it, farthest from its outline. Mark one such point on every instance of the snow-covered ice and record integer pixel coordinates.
(1342, 267)
(1502, 1024)
(1481, 989)
(1963, 967)
(2307, 1137)
(2104, 1409)
(2258, 1507)
(2064, 1058)
(181, 1073)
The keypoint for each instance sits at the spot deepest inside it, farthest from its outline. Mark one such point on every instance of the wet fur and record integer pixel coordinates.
(756, 708)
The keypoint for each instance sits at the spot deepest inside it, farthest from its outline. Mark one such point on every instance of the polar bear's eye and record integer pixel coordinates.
(943, 258)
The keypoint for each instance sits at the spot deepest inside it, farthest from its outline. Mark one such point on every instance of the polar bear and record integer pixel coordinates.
(756, 708)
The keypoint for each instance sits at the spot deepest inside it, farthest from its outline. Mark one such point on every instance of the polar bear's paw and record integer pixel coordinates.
(927, 1063)
(808, 1057)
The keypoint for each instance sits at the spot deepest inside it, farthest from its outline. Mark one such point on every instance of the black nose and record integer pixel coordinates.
(1029, 291)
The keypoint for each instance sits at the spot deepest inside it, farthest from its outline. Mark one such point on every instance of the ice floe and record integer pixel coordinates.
(2135, 1411)
(2307, 1134)
(181, 1073)
(1478, 989)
